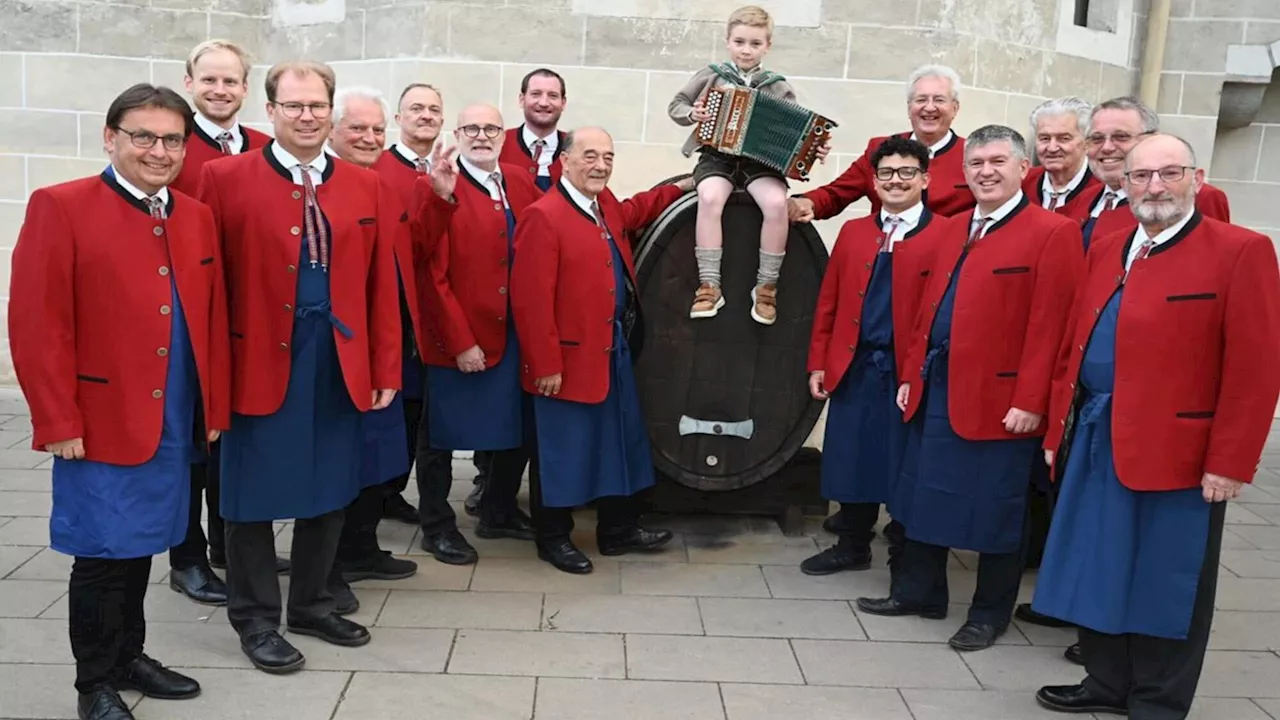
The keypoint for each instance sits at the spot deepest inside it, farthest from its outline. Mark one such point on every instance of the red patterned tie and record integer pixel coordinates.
(496, 178)
(538, 146)
(317, 233)
(886, 238)
(421, 165)
(595, 210)
(1108, 201)
(976, 232)
(157, 207)
(1054, 196)
(224, 141)
(1143, 251)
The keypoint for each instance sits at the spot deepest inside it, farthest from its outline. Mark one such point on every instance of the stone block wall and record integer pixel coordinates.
(61, 62)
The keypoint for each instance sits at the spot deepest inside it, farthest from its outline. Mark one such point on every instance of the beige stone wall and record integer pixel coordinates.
(61, 62)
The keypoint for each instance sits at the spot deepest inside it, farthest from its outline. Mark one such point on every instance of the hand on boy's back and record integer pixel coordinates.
(799, 209)
(686, 184)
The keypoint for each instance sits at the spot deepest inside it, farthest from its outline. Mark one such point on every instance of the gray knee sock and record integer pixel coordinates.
(708, 264)
(770, 267)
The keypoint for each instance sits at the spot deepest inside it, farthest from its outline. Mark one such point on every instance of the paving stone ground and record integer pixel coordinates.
(722, 626)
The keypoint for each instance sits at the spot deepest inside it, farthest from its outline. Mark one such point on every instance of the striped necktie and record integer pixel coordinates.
(317, 232)
(422, 165)
(224, 141)
(891, 224)
(1143, 251)
(1109, 201)
(156, 205)
(538, 147)
(976, 232)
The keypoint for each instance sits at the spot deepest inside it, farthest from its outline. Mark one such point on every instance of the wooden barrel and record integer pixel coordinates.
(725, 398)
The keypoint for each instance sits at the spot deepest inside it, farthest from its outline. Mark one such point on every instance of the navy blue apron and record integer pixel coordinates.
(586, 451)
(385, 447)
(130, 511)
(865, 435)
(543, 182)
(484, 410)
(963, 494)
(303, 460)
(1118, 561)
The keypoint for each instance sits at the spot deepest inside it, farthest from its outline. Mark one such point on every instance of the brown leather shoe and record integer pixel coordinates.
(707, 301)
(764, 303)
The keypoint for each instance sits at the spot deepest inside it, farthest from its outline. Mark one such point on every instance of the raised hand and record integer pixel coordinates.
(444, 172)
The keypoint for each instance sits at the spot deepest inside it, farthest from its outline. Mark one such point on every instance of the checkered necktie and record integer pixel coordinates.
(224, 141)
(891, 224)
(421, 165)
(1054, 196)
(317, 233)
(156, 205)
(976, 232)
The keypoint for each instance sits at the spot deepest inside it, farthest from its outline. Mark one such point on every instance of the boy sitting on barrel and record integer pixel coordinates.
(748, 39)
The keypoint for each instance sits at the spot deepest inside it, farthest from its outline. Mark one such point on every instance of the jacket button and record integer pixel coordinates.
(284, 346)
(502, 233)
(1064, 422)
(1082, 348)
(164, 270)
(608, 349)
(164, 309)
(1097, 311)
(533, 171)
(157, 394)
(608, 263)
(853, 348)
(949, 274)
(162, 351)
(502, 262)
(610, 291)
(295, 230)
(856, 321)
(868, 266)
(290, 268)
(157, 230)
(296, 195)
(501, 319)
(502, 290)
(288, 307)
(935, 305)
(608, 321)
(497, 206)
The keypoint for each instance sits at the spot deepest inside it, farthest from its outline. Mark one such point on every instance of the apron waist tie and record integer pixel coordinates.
(325, 309)
(932, 357)
(880, 357)
(1095, 408)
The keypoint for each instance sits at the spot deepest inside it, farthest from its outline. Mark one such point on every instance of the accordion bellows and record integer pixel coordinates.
(779, 133)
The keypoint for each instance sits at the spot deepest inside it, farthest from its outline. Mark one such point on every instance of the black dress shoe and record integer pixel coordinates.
(157, 681)
(829, 524)
(395, 507)
(380, 566)
(332, 629)
(345, 601)
(889, 607)
(835, 559)
(1073, 654)
(566, 557)
(516, 526)
(637, 539)
(102, 704)
(450, 547)
(271, 653)
(1077, 699)
(974, 636)
(200, 584)
(472, 504)
(1024, 613)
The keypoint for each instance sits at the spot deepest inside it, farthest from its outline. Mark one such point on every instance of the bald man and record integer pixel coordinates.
(1158, 417)
(573, 269)
(468, 206)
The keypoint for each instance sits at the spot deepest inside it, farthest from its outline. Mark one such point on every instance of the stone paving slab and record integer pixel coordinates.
(567, 699)
(711, 659)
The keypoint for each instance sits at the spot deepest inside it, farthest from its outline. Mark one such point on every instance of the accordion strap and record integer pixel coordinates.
(730, 74)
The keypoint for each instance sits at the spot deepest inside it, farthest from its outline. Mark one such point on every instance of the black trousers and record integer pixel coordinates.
(205, 493)
(107, 624)
(921, 580)
(253, 590)
(359, 537)
(413, 410)
(856, 522)
(615, 515)
(1157, 677)
(435, 479)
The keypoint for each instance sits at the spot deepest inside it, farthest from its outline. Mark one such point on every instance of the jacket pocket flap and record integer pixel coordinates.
(207, 261)
(1012, 270)
(92, 379)
(1196, 415)
(1191, 296)
(368, 221)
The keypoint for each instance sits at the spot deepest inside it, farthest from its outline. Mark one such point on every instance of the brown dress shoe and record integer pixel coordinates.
(764, 303)
(707, 301)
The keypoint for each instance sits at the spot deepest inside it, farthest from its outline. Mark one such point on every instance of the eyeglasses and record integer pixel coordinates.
(923, 100)
(1118, 139)
(1170, 174)
(293, 110)
(146, 140)
(473, 131)
(905, 172)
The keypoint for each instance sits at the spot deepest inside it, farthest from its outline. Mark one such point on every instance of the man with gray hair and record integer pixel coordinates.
(1151, 440)
(996, 308)
(1063, 177)
(933, 99)
(358, 137)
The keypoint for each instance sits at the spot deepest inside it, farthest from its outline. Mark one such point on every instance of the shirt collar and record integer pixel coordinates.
(408, 154)
(213, 130)
(1165, 236)
(578, 197)
(1001, 211)
(552, 141)
(1118, 193)
(910, 217)
(937, 147)
(289, 162)
(133, 190)
(481, 176)
(1046, 183)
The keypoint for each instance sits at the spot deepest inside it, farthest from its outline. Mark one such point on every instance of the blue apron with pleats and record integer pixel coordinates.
(963, 494)
(303, 460)
(130, 511)
(484, 410)
(586, 451)
(385, 447)
(865, 436)
(1117, 560)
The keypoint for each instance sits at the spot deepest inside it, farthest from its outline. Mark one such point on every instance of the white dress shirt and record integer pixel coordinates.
(910, 219)
(551, 144)
(1141, 237)
(999, 214)
(409, 155)
(213, 130)
(936, 148)
(291, 163)
(133, 190)
(486, 179)
(1047, 189)
(1119, 194)
(579, 199)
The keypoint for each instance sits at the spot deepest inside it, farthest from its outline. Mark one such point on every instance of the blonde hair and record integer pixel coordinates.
(209, 46)
(302, 68)
(751, 16)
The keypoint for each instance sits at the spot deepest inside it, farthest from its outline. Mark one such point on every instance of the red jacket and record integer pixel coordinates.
(562, 288)
(89, 316)
(1077, 206)
(1196, 371)
(1011, 309)
(469, 270)
(1210, 201)
(515, 152)
(202, 149)
(258, 211)
(948, 193)
(834, 339)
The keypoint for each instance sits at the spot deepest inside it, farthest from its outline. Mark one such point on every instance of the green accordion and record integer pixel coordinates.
(778, 133)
